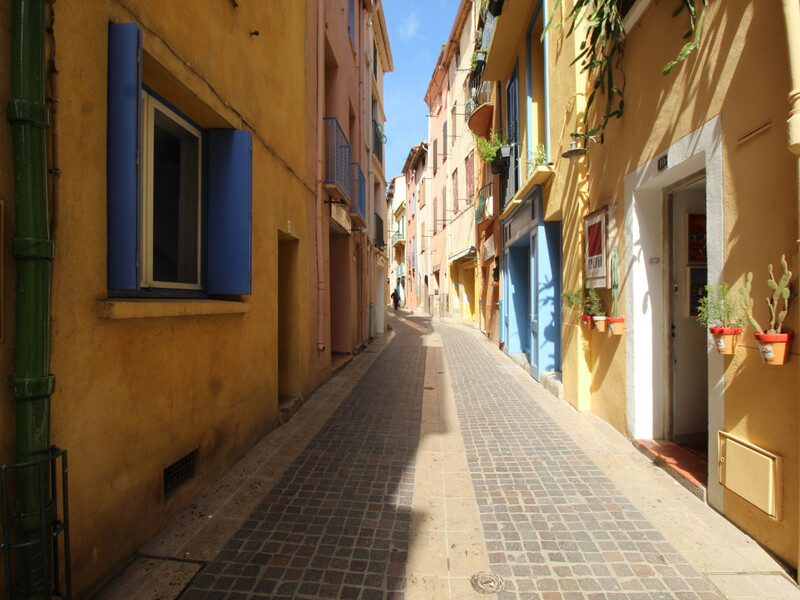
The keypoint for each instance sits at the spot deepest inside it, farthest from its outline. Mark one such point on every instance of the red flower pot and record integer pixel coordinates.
(774, 347)
(616, 325)
(725, 338)
(587, 322)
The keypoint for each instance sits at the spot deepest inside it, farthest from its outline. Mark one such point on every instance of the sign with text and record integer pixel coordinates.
(600, 236)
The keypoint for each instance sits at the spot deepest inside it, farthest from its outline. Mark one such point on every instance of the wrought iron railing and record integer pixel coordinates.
(398, 236)
(358, 191)
(488, 30)
(378, 139)
(337, 152)
(480, 93)
(485, 199)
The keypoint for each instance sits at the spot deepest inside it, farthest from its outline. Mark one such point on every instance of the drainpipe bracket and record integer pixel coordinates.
(27, 111)
(33, 388)
(33, 248)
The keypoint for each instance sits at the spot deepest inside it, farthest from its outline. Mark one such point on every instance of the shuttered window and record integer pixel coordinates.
(179, 196)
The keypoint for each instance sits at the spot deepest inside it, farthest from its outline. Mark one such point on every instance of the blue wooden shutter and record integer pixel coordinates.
(123, 169)
(229, 187)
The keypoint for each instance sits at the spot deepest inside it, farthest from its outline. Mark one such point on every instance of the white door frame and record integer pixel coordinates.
(645, 269)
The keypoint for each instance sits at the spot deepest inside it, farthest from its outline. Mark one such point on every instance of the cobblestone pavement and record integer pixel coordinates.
(555, 525)
(432, 465)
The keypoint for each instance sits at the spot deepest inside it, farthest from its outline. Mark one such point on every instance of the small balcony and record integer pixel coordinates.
(338, 172)
(378, 139)
(399, 237)
(358, 208)
(480, 108)
(485, 203)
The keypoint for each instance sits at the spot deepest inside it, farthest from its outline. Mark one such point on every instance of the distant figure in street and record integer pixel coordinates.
(395, 299)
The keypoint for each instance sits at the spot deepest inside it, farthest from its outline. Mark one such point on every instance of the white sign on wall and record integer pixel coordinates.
(600, 236)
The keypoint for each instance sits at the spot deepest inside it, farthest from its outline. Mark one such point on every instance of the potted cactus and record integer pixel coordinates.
(616, 324)
(723, 317)
(773, 343)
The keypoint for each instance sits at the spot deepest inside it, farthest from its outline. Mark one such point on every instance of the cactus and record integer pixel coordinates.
(615, 283)
(780, 290)
(747, 302)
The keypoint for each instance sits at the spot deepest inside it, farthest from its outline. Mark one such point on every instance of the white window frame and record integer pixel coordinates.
(149, 105)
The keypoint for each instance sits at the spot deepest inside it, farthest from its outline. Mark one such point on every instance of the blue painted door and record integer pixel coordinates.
(534, 310)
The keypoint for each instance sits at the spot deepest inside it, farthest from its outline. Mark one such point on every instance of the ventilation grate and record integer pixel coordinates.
(178, 472)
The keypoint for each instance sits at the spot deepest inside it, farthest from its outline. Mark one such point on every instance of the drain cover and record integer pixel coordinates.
(487, 582)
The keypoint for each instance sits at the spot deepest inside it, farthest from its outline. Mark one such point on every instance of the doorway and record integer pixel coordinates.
(534, 309)
(518, 303)
(688, 405)
(682, 441)
(657, 412)
(288, 318)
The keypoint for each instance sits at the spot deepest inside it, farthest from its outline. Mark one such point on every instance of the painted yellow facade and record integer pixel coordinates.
(718, 122)
(144, 379)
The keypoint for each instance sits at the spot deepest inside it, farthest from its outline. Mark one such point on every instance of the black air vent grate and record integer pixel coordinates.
(178, 472)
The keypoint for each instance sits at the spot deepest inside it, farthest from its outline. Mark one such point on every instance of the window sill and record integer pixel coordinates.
(143, 308)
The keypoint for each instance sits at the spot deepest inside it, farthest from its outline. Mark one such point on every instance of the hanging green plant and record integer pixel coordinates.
(487, 149)
(537, 158)
(600, 53)
(694, 31)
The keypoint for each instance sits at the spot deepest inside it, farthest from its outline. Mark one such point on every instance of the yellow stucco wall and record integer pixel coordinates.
(135, 394)
(743, 49)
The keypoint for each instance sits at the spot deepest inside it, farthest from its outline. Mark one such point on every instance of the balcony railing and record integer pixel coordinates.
(359, 192)
(488, 30)
(398, 237)
(480, 94)
(378, 139)
(485, 203)
(338, 173)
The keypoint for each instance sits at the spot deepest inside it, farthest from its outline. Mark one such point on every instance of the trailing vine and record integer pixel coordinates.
(600, 53)
(695, 28)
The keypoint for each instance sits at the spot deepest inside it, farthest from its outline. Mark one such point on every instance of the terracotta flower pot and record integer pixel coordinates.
(601, 324)
(725, 338)
(774, 347)
(616, 325)
(587, 322)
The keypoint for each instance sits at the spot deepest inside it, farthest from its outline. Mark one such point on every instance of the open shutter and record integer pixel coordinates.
(123, 169)
(230, 185)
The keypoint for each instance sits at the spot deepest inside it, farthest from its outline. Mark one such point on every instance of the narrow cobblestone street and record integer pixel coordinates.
(432, 458)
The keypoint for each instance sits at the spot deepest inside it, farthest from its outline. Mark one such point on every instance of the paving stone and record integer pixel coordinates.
(498, 430)
(331, 514)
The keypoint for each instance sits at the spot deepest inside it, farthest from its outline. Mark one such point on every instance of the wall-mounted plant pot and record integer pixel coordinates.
(725, 339)
(499, 165)
(601, 324)
(504, 152)
(774, 347)
(587, 322)
(616, 325)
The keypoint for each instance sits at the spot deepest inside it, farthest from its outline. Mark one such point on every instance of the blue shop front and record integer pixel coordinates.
(531, 332)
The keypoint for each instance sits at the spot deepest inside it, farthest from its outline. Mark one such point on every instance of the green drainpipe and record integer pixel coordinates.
(32, 383)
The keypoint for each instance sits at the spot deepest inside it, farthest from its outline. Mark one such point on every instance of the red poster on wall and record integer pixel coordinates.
(595, 248)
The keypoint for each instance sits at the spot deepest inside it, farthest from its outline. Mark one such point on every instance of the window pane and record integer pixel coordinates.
(175, 202)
